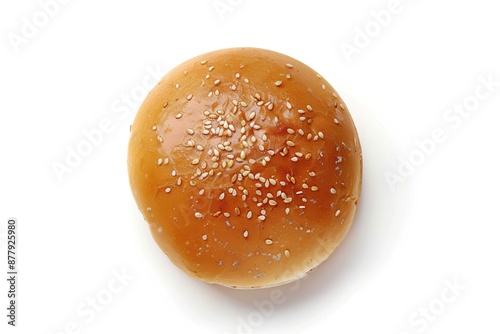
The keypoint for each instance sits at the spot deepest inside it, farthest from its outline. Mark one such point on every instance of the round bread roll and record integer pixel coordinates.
(247, 166)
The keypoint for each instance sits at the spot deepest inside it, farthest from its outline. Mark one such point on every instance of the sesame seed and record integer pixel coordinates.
(287, 253)
(287, 200)
(154, 128)
(336, 121)
(290, 131)
(278, 83)
(179, 181)
(301, 132)
(314, 188)
(198, 215)
(237, 211)
(179, 115)
(201, 192)
(300, 111)
(273, 202)
(321, 135)
(305, 186)
(237, 75)
(165, 161)
(294, 159)
(160, 139)
(160, 160)
(261, 217)
(177, 86)
(190, 131)
(199, 147)
(216, 82)
(249, 214)
(290, 143)
(189, 97)
(167, 190)
(309, 108)
(211, 68)
(174, 173)
(337, 213)
(312, 174)
(251, 116)
(333, 191)
(233, 87)
(245, 234)
(289, 65)
(287, 210)
(203, 62)
(270, 106)
(222, 195)
(195, 161)
(204, 237)
(269, 242)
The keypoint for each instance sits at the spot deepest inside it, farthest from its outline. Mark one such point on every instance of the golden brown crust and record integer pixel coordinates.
(247, 166)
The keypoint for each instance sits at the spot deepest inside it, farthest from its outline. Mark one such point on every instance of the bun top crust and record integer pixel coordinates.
(247, 166)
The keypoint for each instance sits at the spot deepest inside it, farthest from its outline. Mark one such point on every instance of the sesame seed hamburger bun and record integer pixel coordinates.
(247, 166)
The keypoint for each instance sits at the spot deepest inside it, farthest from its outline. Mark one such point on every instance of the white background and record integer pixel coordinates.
(438, 226)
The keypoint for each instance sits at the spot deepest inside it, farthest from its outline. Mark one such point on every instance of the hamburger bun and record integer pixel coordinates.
(247, 166)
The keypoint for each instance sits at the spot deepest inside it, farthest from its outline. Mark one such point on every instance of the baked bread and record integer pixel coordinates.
(247, 166)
